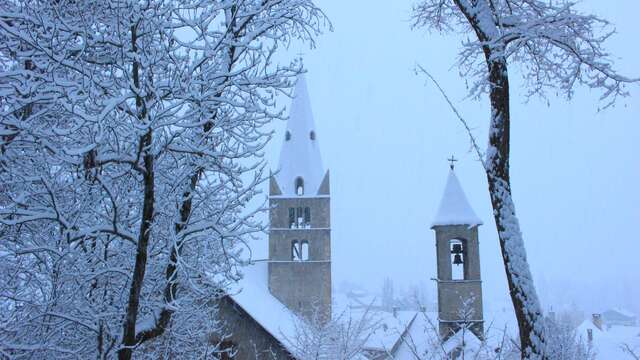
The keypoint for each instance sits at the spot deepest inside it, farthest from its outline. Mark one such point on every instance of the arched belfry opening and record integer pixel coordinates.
(299, 186)
(457, 247)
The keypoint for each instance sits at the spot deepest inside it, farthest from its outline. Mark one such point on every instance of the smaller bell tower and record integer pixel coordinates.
(458, 262)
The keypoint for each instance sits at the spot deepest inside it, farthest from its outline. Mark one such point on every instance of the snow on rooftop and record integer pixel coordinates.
(608, 342)
(454, 208)
(622, 312)
(466, 340)
(253, 295)
(300, 153)
(389, 329)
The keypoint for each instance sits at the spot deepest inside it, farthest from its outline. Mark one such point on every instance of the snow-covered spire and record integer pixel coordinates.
(300, 161)
(454, 208)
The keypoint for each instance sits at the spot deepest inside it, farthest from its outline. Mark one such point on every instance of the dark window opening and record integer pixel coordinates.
(307, 218)
(312, 135)
(457, 259)
(299, 186)
(287, 136)
(292, 218)
(299, 218)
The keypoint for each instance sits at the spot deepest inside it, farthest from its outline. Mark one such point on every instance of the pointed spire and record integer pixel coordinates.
(300, 153)
(454, 208)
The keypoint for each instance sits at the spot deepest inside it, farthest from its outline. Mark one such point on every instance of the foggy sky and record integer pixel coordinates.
(385, 134)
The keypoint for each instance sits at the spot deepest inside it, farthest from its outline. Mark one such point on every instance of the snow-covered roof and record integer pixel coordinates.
(389, 329)
(466, 340)
(623, 312)
(421, 341)
(454, 208)
(300, 153)
(608, 343)
(253, 295)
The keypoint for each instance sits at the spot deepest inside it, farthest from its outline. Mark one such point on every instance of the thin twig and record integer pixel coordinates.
(474, 143)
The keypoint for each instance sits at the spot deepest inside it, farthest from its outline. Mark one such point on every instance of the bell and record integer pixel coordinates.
(457, 259)
(457, 249)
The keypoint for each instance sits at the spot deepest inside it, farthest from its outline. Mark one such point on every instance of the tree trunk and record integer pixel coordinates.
(148, 204)
(129, 333)
(521, 288)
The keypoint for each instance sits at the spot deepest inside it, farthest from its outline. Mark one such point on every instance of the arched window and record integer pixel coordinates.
(304, 250)
(295, 251)
(299, 185)
(292, 218)
(287, 135)
(457, 249)
(299, 218)
(299, 250)
(307, 218)
(312, 135)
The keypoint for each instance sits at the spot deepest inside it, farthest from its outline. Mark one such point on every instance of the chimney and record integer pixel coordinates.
(597, 320)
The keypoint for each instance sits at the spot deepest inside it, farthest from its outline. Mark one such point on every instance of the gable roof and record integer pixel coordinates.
(387, 335)
(253, 296)
(300, 152)
(454, 208)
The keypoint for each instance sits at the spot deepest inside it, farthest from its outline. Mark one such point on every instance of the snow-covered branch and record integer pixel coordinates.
(131, 140)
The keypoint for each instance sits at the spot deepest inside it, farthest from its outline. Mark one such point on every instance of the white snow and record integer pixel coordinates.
(253, 295)
(389, 329)
(454, 208)
(608, 343)
(466, 340)
(300, 153)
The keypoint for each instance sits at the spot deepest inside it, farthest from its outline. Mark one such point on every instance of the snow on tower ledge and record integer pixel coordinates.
(454, 208)
(300, 153)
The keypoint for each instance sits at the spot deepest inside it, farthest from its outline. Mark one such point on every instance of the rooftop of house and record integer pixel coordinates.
(252, 294)
(609, 341)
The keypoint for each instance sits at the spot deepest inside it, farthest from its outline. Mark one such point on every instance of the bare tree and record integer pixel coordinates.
(342, 337)
(426, 343)
(559, 48)
(564, 343)
(632, 352)
(131, 137)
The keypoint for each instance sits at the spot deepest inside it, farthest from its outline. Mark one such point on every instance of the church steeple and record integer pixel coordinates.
(300, 171)
(300, 218)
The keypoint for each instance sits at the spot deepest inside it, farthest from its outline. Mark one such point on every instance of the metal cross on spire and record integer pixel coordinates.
(452, 161)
